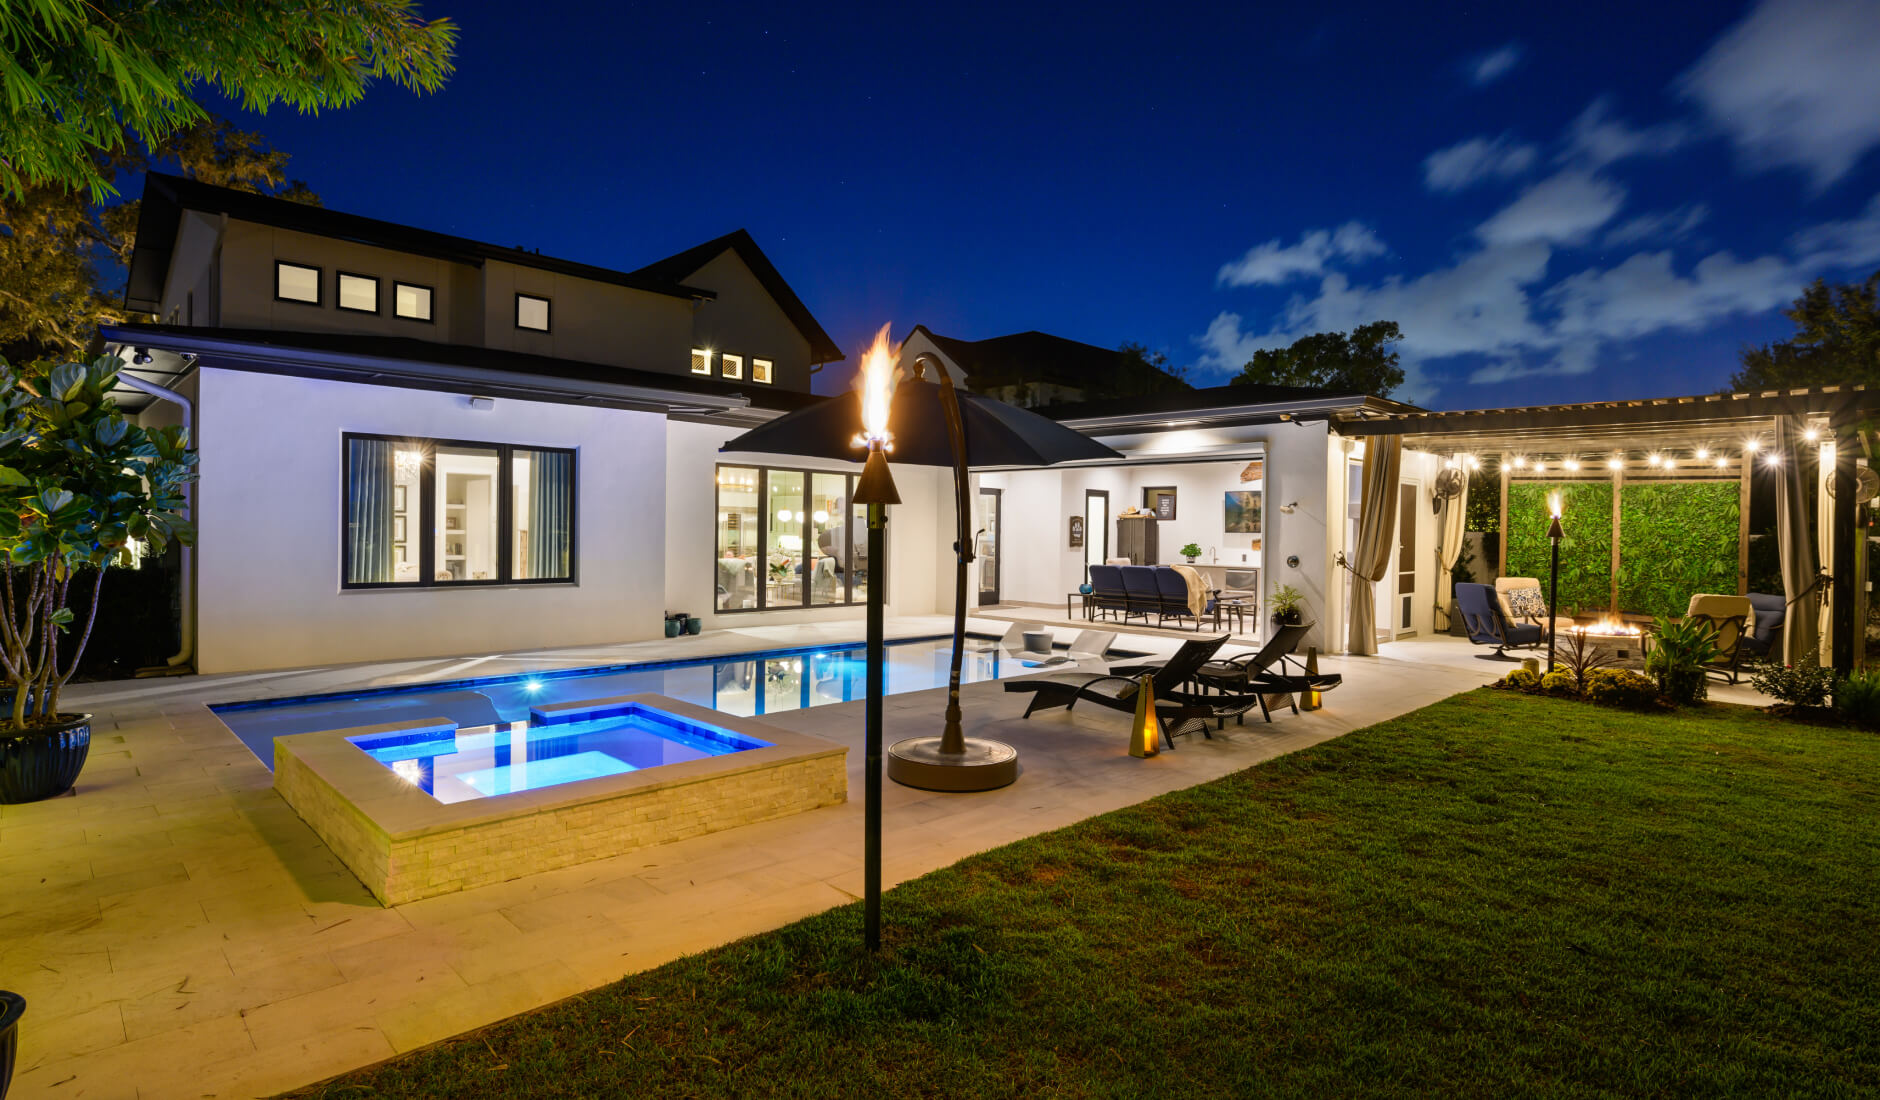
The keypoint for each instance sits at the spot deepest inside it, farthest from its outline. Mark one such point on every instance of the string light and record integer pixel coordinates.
(1751, 444)
(1703, 453)
(1772, 460)
(1656, 459)
(1615, 463)
(1571, 465)
(1722, 462)
(1520, 461)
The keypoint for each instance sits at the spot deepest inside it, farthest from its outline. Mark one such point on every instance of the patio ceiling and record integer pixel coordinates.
(1716, 421)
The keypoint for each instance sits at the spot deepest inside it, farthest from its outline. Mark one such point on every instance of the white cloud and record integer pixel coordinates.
(1484, 69)
(1665, 225)
(1273, 263)
(1565, 208)
(1795, 84)
(1498, 303)
(1475, 160)
(1843, 244)
(1594, 139)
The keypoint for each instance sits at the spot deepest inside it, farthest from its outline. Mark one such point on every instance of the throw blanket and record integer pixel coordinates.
(1197, 589)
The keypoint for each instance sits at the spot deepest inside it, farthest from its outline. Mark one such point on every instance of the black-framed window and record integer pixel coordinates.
(701, 360)
(532, 312)
(412, 301)
(761, 371)
(355, 293)
(434, 513)
(297, 282)
(731, 366)
(789, 538)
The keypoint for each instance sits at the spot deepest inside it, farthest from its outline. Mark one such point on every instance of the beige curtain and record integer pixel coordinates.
(1449, 546)
(1377, 524)
(1795, 541)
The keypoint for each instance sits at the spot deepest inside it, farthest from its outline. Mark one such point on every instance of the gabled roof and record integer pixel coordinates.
(682, 265)
(166, 197)
(1039, 357)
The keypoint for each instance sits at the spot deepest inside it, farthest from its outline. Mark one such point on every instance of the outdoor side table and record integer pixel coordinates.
(1233, 611)
(1083, 600)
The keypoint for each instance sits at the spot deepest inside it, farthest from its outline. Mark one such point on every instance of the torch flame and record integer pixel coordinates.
(1553, 504)
(877, 378)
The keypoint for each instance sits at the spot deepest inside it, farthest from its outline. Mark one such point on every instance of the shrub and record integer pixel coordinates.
(1619, 687)
(1805, 684)
(1522, 679)
(1857, 699)
(1679, 653)
(1559, 682)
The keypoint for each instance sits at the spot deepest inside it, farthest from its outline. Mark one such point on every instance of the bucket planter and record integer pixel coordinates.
(12, 1007)
(43, 762)
(1288, 606)
(78, 484)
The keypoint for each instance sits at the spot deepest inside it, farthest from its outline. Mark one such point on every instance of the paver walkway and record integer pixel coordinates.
(179, 932)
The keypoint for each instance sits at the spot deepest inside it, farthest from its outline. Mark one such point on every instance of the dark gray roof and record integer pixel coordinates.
(682, 265)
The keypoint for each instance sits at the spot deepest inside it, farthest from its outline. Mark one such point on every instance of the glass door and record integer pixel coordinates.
(988, 545)
(1096, 528)
(1406, 558)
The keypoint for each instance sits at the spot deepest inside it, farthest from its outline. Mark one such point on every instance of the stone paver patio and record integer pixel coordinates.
(178, 931)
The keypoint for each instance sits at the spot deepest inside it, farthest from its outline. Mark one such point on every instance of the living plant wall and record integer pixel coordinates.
(1585, 552)
(1676, 539)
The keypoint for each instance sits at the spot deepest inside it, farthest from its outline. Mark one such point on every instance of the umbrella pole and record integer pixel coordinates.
(952, 761)
(952, 737)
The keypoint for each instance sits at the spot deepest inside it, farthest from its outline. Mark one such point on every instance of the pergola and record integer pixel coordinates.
(1712, 437)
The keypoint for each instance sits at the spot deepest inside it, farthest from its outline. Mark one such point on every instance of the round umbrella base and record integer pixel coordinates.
(984, 766)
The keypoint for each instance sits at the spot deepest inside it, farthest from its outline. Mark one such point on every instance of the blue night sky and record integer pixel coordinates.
(1556, 202)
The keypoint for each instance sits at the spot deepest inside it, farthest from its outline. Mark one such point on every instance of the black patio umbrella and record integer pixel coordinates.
(932, 424)
(996, 434)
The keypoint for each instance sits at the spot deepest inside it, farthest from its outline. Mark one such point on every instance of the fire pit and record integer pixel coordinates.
(1621, 644)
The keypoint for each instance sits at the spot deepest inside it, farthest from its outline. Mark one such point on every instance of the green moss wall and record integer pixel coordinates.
(1676, 540)
(1585, 552)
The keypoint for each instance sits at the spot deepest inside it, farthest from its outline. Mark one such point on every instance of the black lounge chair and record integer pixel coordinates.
(1174, 708)
(1246, 679)
(1481, 613)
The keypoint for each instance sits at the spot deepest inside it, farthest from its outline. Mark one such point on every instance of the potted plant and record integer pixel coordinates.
(1679, 653)
(1191, 552)
(78, 485)
(1287, 604)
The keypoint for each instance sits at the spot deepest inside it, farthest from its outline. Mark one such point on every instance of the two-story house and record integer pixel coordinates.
(415, 444)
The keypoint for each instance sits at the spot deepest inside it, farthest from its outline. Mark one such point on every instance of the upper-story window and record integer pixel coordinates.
(411, 301)
(296, 283)
(358, 293)
(761, 371)
(701, 360)
(731, 366)
(532, 312)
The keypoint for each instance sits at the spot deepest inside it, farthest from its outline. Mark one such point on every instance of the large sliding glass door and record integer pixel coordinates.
(788, 538)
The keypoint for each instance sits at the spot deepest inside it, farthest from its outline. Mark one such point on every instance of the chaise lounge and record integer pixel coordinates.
(1481, 614)
(1174, 708)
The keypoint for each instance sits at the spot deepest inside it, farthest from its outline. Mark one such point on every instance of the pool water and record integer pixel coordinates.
(748, 685)
(517, 756)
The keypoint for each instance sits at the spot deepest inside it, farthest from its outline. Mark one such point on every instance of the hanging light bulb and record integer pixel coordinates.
(1772, 460)
(1571, 465)
(1655, 459)
(1615, 463)
(1751, 444)
(1520, 461)
(1722, 462)
(1703, 453)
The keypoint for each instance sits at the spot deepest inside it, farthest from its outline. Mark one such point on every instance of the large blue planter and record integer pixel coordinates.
(43, 762)
(12, 1007)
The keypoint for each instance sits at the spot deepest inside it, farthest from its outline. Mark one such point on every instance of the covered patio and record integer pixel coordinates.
(1656, 499)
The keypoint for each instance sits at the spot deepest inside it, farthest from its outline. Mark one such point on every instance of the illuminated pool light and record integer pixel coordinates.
(532, 686)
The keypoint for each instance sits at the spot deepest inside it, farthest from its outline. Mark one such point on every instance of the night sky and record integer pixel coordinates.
(1556, 202)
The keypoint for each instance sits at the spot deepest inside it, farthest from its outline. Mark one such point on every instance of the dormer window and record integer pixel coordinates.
(731, 366)
(761, 371)
(358, 293)
(296, 283)
(701, 360)
(532, 313)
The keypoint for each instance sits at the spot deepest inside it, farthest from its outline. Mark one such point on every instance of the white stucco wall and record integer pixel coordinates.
(269, 506)
(920, 534)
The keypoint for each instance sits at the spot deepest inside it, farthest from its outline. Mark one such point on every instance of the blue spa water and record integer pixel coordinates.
(748, 685)
(486, 761)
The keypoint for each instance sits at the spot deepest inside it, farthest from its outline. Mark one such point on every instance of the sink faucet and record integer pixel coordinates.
(1214, 556)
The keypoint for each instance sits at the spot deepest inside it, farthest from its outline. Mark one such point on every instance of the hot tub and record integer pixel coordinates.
(424, 807)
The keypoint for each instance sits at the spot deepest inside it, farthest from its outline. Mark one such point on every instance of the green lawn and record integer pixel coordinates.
(1495, 896)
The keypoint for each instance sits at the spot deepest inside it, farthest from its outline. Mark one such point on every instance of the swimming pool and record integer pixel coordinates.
(747, 685)
(485, 761)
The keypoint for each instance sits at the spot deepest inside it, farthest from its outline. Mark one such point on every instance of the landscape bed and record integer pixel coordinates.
(422, 807)
(1496, 895)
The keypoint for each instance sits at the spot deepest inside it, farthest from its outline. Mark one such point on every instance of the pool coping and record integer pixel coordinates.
(401, 811)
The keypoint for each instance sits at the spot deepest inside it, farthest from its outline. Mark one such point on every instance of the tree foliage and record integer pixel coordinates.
(1362, 361)
(1836, 341)
(78, 484)
(80, 78)
(61, 255)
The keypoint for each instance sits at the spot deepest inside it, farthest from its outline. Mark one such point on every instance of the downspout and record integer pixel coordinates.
(186, 582)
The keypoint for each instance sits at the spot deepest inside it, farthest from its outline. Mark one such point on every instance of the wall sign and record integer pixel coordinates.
(1077, 531)
(1159, 499)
